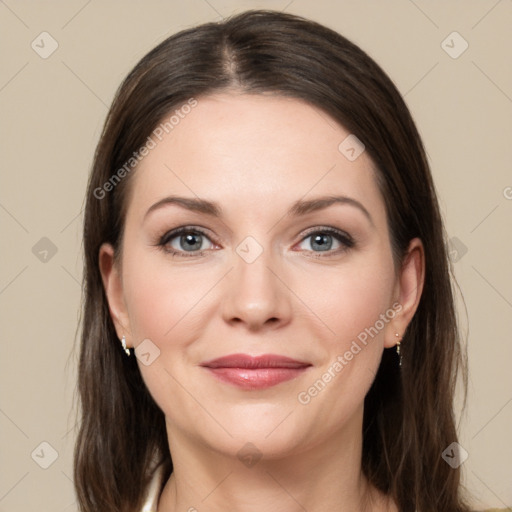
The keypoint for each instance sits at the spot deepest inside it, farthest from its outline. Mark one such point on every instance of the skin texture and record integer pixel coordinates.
(256, 155)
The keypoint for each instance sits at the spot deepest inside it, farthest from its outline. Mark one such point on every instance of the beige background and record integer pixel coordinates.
(52, 110)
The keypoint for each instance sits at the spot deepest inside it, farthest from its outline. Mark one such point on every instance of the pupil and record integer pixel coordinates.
(324, 242)
(191, 241)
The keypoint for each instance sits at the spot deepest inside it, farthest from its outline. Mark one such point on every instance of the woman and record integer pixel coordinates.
(262, 229)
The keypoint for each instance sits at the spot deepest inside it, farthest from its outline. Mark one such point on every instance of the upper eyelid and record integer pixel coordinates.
(173, 233)
(328, 229)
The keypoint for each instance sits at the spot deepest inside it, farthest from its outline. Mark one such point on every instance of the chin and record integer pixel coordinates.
(268, 429)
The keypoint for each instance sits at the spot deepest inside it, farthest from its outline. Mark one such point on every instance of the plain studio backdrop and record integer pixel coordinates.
(61, 63)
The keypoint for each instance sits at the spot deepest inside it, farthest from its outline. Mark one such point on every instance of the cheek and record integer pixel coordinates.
(351, 298)
(352, 305)
(352, 301)
(164, 304)
(159, 298)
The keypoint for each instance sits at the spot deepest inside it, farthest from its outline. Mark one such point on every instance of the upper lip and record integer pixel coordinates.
(253, 362)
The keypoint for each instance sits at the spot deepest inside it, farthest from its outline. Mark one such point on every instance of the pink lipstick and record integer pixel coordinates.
(260, 372)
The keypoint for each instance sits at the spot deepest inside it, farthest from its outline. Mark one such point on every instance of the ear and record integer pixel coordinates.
(113, 285)
(408, 291)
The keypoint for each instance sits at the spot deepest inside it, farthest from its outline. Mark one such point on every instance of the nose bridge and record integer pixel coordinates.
(255, 295)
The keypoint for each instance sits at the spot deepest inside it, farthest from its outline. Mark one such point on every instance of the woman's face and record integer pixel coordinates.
(268, 264)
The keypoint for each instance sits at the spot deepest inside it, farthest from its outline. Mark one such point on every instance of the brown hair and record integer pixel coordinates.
(408, 414)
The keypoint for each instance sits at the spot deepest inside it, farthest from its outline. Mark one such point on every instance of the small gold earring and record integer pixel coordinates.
(398, 349)
(123, 342)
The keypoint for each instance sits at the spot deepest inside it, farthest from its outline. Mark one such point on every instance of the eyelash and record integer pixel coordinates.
(346, 240)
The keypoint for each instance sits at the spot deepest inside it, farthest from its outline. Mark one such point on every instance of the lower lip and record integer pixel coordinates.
(259, 378)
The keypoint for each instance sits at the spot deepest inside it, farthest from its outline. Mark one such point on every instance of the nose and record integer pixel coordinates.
(256, 295)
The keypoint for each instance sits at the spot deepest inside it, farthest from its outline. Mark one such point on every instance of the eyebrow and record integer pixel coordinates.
(298, 208)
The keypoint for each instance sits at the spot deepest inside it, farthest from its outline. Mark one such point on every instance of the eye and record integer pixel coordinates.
(192, 241)
(328, 240)
(185, 240)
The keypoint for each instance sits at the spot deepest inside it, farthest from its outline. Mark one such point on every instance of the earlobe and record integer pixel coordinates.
(409, 290)
(112, 284)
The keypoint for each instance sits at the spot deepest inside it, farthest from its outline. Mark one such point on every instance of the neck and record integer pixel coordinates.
(326, 476)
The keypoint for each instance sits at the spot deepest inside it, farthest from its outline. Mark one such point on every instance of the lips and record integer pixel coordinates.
(249, 372)
(251, 362)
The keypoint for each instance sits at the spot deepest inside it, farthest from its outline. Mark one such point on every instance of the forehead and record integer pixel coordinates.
(253, 151)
